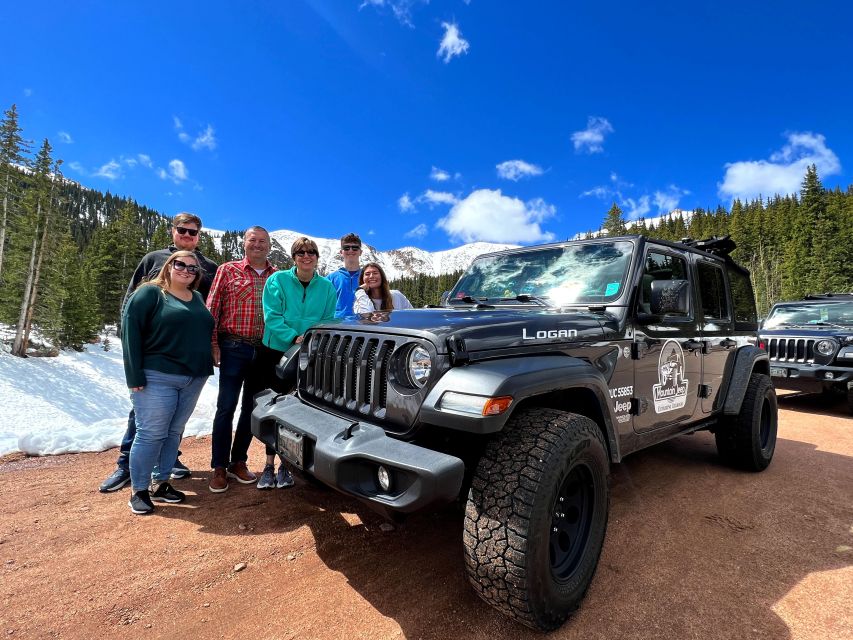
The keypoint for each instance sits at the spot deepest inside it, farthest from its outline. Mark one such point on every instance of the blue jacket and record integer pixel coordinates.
(345, 286)
(291, 309)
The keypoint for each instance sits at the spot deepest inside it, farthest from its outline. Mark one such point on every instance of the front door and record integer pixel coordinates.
(667, 352)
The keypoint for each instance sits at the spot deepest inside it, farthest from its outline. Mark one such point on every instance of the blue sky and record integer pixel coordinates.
(434, 123)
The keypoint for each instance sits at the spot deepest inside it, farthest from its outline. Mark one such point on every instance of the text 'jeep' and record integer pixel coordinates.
(543, 366)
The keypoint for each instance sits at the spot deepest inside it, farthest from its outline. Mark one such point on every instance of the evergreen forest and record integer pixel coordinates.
(67, 252)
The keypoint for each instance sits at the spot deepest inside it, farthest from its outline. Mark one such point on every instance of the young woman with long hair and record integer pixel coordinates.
(166, 333)
(374, 294)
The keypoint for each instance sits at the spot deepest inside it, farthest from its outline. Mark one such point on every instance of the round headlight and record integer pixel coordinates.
(420, 366)
(825, 347)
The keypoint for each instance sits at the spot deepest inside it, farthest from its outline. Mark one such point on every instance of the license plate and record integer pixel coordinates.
(779, 372)
(290, 445)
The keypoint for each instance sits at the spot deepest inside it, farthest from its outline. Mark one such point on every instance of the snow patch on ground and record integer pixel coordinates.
(75, 402)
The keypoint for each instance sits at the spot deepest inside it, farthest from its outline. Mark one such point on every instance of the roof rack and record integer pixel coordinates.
(718, 245)
(828, 296)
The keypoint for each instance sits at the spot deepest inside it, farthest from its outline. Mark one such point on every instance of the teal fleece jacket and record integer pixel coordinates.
(291, 309)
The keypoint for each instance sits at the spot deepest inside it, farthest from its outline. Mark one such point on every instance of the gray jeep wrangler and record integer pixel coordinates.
(543, 366)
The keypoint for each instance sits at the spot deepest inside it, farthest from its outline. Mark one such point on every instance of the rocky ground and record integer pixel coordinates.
(693, 550)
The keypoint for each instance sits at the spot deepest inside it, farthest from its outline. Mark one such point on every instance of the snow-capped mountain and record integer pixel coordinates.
(406, 261)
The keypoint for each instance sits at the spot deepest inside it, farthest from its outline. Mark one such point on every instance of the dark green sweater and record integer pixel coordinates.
(163, 333)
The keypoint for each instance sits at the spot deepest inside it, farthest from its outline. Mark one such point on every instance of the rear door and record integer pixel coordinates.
(716, 326)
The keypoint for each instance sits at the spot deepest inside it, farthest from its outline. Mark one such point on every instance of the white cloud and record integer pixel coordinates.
(178, 124)
(433, 198)
(591, 139)
(111, 170)
(516, 169)
(439, 175)
(76, 166)
(205, 140)
(405, 202)
(783, 173)
(493, 217)
(130, 162)
(184, 137)
(418, 232)
(597, 192)
(402, 9)
(144, 160)
(666, 201)
(177, 172)
(65, 137)
(452, 44)
(638, 208)
(28, 92)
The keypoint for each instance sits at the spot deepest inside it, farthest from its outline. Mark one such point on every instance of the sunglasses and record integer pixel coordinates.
(305, 253)
(179, 265)
(351, 247)
(182, 230)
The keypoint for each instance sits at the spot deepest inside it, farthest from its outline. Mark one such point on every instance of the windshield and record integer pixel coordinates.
(583, 273)
(825, 313)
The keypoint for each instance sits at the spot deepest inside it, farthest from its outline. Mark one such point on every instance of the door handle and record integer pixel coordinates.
(728, 343)
(693, 345)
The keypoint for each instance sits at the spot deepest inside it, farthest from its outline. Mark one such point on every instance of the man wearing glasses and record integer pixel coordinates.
(186, 228)
(345, 279)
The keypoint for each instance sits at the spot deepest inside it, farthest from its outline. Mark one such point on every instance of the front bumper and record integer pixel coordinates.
(809, 377)
(346, 454)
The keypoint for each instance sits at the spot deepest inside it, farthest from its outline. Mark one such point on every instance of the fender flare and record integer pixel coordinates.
(521, 377)
(745, 362)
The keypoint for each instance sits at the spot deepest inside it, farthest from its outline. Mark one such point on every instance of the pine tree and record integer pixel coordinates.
(614, 222)
(12, 150)
(41, 215)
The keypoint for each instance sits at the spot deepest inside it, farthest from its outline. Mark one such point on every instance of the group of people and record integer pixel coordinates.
(183, 315)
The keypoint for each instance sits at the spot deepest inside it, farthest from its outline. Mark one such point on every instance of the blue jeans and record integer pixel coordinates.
(162, 409)
(235, 360)
(123, 461)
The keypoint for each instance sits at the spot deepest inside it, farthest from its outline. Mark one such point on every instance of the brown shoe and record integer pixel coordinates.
(218, 481)
(240, 472)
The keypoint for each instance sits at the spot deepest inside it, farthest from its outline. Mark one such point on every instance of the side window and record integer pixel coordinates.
(659, 266)
(746, 317)
(712, 292)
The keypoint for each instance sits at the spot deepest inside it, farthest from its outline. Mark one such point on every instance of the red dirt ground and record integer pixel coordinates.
(693, 550)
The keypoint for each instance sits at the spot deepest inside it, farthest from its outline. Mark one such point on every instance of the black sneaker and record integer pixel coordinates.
(165, 492)
(180, 470)
(116, 481)
(140, 503)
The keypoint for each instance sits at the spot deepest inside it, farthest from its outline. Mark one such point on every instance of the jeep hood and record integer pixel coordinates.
(486, 329)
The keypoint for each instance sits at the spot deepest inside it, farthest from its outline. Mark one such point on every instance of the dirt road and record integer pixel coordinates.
(693, 550)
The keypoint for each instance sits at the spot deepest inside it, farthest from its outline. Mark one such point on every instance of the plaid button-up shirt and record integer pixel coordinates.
(236, 300)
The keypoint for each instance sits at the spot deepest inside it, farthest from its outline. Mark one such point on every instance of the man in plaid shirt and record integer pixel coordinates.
(236, 303)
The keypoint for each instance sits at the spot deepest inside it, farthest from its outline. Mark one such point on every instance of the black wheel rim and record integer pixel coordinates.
(764, 427)
(571, 521)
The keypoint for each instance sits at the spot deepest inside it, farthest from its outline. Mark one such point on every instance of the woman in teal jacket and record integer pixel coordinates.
(294, 301)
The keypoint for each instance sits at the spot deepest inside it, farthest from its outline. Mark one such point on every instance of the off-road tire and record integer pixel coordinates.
(748, 439)
(850, 400)
(528, 553)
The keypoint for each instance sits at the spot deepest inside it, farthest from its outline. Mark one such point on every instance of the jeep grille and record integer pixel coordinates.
(791, 349)
(350, 371)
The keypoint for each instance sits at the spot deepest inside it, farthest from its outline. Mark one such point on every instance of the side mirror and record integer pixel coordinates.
(443, 300)
(670, 297)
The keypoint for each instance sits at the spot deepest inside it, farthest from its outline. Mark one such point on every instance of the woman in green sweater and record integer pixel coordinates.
(294, 301)
(166, 333)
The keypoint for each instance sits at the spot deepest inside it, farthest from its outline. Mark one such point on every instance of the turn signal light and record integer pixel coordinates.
(496, 406)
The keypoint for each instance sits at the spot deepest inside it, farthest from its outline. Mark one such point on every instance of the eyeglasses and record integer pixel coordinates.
(351, 247)
(182, 230)
(305, 253)
(179, 265)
